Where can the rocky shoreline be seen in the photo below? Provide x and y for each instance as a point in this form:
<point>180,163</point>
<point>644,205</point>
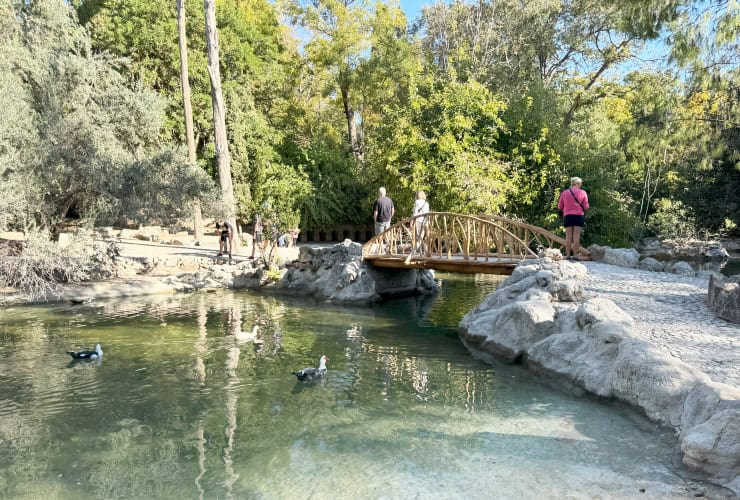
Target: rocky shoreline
<point>333,274</point>
<point>544,318</point>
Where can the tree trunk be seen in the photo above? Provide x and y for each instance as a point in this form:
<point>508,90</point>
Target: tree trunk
<point>188,108</point>
<point>219,116</point>
<point>349,113</point>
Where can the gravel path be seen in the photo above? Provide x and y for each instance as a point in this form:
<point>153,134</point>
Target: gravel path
<point>670,312</point>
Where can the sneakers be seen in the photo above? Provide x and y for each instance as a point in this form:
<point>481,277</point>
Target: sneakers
<point>219,254</point>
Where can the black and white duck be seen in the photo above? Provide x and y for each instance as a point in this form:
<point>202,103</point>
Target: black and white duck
<point>83,355</point>
<point>312,373</point>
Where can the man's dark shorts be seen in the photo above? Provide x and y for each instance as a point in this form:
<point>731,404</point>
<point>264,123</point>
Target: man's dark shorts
<point>574,220</point>
<point>258,237</point>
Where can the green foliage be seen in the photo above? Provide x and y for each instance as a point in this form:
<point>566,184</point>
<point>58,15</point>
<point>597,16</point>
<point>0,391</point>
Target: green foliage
<point>254,63</point>
<point>488,106</point>
<point>86,143</point>
<point>447,144</point>
<point>672,220</point>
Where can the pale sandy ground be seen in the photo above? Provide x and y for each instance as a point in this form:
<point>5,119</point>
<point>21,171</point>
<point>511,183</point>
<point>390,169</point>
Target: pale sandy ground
<point>208,248</point>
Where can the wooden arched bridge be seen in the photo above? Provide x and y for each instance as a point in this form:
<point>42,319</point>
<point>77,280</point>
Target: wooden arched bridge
<point>460,243</point>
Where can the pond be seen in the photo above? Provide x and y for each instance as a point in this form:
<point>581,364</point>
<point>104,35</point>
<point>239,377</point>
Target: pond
<point>179,407</point>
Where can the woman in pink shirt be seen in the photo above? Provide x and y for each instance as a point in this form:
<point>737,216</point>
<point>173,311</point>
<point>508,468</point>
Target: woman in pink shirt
<point>573,203</point>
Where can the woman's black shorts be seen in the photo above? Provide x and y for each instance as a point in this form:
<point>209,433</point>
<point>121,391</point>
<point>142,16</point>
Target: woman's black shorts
<point>574,220</point>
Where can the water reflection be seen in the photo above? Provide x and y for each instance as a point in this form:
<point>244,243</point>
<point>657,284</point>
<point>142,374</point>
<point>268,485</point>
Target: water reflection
<point>182,408</point>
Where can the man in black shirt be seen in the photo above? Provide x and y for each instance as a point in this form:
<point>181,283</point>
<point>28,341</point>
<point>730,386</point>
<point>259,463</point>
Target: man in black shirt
<point>383,211</point>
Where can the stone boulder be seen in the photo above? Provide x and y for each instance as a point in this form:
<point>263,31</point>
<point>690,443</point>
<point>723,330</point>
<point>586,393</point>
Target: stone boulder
<point>128,234</point>
<point>338,274</point>
<point>107,232</point>
<point>623,257</point>
<point>596,252</point>
<point>714,445</point>
<point>650,264</point>
<point>550,253</point>
<point>510,330</point>
<point>648,246</point>
<point>682,268</point>
<point>682,249</point>
<point>723,297</point>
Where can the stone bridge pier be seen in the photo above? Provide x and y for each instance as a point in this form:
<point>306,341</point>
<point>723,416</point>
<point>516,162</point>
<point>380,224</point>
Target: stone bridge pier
<point>399,282</point>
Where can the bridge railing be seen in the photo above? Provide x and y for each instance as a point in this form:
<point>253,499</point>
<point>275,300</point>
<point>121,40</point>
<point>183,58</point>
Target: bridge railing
<point>445,235</point>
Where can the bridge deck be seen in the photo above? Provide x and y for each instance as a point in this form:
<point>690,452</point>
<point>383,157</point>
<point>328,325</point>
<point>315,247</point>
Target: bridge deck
<point>455,264</point>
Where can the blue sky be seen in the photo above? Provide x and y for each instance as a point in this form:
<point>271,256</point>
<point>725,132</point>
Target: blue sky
<point>412,8</point>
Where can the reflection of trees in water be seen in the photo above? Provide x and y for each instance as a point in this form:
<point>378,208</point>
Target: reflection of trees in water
<point>199,342</point>
<point>427,378</point>
<point>200,369</point>
<point>232,396</point>
<point>459,294</point>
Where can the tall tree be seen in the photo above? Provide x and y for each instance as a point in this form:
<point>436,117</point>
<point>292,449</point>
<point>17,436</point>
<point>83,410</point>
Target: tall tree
<point>223,157</point>
<point>182,39</point>
<point>341,42</point>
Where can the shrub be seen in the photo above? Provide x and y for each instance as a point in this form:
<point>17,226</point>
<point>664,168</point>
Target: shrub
<point>672,220</point>
<point>39,267</point>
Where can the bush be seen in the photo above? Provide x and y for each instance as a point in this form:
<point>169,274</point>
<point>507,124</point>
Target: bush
<point>39,267</point>
<point>672,220</point>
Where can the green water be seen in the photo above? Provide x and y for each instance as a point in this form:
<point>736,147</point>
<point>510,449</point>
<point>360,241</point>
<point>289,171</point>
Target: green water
<point>179,408</point>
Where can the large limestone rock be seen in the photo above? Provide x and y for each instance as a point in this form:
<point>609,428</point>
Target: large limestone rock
<point>514,327</point>
<point>337,273</point>
<point>596,252</point>
<point>623,257</point>
<point>682,249</point>
<point>682,268</point>
<point>650,264</point>
<point>591,345</point>
<point>723,297</point>
<point>714,445</point>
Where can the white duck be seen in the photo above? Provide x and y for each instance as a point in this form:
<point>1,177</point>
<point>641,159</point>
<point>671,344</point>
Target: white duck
<point>243,337</point>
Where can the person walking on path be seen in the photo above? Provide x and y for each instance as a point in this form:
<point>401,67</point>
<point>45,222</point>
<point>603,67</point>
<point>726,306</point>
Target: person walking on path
<point>573,203</point>
<point>421,206</point>
<point>383,211</point>
<point>226,240</point>
<point>257,238</point>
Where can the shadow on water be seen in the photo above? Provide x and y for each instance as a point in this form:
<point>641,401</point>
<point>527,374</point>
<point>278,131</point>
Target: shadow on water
<point>183,406</point>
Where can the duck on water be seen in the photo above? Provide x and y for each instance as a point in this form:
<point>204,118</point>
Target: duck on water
<point>312,373</point>
<point>87,355</point>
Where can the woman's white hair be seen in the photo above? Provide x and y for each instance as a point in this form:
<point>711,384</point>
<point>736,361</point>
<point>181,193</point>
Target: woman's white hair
<point>576,181</point>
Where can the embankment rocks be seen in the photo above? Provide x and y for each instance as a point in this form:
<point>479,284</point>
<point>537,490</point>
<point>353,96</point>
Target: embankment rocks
<point>538,316</point>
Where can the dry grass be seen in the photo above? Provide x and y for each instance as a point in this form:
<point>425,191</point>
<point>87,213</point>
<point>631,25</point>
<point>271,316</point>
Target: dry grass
<point>39,268</point>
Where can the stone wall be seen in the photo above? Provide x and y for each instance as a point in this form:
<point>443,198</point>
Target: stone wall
<point>538,317</point>
<point>682,249</point>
